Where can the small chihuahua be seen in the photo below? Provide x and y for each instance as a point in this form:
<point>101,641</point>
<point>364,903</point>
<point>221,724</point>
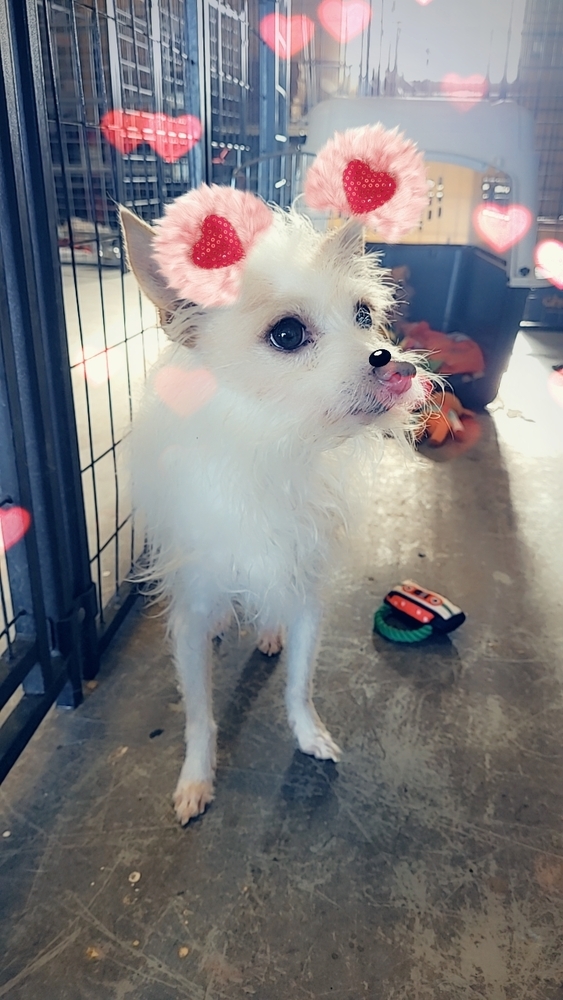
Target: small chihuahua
<point>243,446</point>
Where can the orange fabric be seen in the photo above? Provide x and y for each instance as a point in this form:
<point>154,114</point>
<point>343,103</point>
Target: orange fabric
<point>448,355</point>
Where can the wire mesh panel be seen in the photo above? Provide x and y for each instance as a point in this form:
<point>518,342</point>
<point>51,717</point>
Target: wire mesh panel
<point>121,132</point>
<point>279,178</point>
<point>226,33</point>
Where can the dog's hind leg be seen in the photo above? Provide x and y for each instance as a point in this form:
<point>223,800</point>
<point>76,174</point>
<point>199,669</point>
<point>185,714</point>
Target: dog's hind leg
<point>301,648</point>
<point>191,635</point>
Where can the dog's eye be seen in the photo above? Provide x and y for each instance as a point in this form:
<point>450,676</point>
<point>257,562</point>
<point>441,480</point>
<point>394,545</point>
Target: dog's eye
<point>363,316</point>
<point>288,334</point>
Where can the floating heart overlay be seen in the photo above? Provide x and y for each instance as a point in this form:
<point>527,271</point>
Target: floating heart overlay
<point>548,256</point>
<point>299,30</point>
<point>14,522</point>
<point>555,385</point>
<point>501,226</point>
<point>185,392</point>
<point>366,189</point>
<point>171,138</point>
<point>464,92</point>
<point>97,366</point>
<point>344,19</point>
<point>218,245</point>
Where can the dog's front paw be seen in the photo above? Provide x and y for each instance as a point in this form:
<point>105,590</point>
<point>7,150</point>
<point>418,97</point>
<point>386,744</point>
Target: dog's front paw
<point>320,744</point>
<point>270,643</point>
<point>191,798</point>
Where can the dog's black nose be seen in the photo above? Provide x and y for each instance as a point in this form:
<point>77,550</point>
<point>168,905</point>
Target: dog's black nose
<point>378,359</point>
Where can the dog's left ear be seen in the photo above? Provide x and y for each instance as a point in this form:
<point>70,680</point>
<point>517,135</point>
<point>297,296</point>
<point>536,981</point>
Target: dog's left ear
<point>373,174</point>
<point>138,238</point>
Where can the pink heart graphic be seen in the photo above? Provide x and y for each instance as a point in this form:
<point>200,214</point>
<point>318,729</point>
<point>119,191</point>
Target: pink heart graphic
<point>185,392</point>
<point>218,245</point>
<point>298,29</point>
<point>555,385</point>
<point>171,138</point>
<point>423,3</point>
<point>501,226</point>
<point>14,522</point>
<point>548,256</point>
<point>344,19</point>
<point>367,189</point>
<point>464,92</point>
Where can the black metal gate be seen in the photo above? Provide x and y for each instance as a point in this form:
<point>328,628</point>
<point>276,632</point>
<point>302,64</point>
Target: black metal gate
<point>47,599</point>
<point>76,337</point>
<point>88,89</point>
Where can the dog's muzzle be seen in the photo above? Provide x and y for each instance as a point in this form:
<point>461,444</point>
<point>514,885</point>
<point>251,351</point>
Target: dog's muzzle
<point>396,376</point>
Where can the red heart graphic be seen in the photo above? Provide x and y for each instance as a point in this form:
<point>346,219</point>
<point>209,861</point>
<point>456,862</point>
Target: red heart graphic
<point>501,226</point>
<point>14,523</point>
<point>171,138</point>
<point>298,29</point>
<point>464,92</point>
<point>344,19</point>
<point>218,245</point>
<point>185,392</point>
<point>548,256</point>
<point>367,189</point>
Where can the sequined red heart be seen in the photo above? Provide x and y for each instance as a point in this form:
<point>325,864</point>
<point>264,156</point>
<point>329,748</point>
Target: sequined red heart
<point>367,189</point>
<point>218,245</point>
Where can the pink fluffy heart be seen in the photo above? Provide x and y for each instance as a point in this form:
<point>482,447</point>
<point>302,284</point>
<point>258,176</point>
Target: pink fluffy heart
<point>501,226</point>
<point>344,19</point>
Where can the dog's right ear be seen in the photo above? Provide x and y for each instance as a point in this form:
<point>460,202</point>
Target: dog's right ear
<point>138,238</point>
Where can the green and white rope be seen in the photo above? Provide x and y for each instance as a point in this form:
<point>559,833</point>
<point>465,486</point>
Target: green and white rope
<point>380,624</point>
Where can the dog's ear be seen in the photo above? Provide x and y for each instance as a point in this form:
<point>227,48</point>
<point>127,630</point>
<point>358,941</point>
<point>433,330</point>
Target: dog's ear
<point>138,238</point>
<point>345,242</point>
<point>202,243</point>
<point>373,174</point>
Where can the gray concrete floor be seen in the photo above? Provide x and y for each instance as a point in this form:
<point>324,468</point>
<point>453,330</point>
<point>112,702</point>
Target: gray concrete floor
<point>428,864</point>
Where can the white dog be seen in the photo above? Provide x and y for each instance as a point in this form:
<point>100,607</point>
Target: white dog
<point>241,450</point>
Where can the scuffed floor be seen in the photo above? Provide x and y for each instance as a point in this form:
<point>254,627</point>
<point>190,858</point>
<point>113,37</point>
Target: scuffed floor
<point>428,864</point>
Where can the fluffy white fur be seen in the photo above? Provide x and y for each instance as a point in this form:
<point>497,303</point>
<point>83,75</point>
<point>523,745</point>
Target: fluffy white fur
<point>245,497</point>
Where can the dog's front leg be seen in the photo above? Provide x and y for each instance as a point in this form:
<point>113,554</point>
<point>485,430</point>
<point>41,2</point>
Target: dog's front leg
<point>194,790</point>
<point>301,649</point>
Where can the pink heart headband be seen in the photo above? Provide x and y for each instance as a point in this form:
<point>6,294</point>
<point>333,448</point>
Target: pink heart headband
<point>202,243</point>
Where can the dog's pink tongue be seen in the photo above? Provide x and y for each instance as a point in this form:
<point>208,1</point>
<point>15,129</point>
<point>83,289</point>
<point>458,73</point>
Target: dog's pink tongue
<point>397,384</point>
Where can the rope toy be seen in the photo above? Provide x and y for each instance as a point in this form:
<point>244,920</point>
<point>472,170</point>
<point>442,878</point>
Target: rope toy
<point>423,612</point>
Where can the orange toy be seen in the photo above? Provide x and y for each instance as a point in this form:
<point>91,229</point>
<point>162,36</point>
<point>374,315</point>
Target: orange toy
<point>445,419</point>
